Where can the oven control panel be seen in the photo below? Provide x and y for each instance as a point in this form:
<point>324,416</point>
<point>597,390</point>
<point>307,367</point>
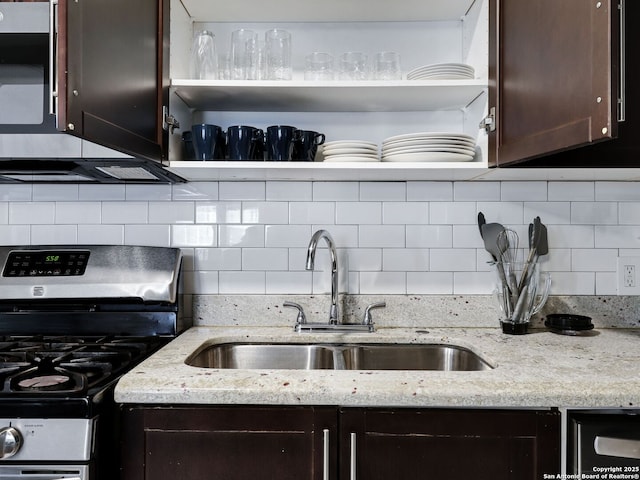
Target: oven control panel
<point>46,263</point>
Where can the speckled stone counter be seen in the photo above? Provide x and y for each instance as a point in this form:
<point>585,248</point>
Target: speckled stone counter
<point>540,369</point>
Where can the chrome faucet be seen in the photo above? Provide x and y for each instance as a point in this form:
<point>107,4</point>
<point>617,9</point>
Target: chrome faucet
<point>311,255</point>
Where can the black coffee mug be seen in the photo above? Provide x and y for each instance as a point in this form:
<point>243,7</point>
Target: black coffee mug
<point>280,140</point>
<point>245,143</point>
<point>306,145</point>
<point>188,153</point>
<point>208,142</point>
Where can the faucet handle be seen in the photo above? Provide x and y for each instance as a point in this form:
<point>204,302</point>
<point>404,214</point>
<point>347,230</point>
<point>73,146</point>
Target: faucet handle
<point>301,319</point>
<point>366,319</point>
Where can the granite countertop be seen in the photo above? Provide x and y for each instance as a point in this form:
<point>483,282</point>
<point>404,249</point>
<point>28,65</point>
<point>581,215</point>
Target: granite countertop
<point>540,369</point>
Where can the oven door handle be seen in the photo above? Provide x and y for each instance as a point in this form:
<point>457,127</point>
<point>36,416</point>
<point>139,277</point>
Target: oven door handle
<point>617,447</point>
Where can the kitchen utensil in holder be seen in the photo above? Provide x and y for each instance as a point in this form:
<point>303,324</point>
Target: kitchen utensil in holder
<point>518,306</point>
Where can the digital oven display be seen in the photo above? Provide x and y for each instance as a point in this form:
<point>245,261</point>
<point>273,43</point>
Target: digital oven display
<point>49,263</point>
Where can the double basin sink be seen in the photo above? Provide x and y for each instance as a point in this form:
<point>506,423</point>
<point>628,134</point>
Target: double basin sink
<point>356,356</point>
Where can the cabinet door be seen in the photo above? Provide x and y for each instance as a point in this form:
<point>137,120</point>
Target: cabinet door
<point>452,444</point>
<point>112,80</point>
<point>556,77</point>
<point>231,443</point>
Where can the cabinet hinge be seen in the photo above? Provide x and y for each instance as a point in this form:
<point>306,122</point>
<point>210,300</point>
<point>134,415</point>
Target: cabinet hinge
<point>169,122</point>
<point>488,123</point>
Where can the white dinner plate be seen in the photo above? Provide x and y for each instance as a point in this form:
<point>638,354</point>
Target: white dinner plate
<point>399,151</point>
<point>350,144</point>
<point>352,158</point>
<point>430,135</point>
<point>429,157</point>
<point>429,142</point>
<point>349,151</point>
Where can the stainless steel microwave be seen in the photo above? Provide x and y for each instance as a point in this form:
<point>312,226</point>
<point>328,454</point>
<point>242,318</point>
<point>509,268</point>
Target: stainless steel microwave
<point>39,42</point>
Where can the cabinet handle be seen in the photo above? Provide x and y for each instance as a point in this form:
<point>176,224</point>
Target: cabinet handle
<point>53,77</point>
<point>623,63</point>
<point>325,454</point>
<point>352,457</point>
<point>617,447</point>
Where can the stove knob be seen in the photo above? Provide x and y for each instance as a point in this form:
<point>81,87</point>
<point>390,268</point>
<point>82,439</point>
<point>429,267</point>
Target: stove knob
<point>10,442</point>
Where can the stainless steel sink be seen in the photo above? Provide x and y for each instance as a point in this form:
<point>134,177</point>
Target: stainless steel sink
<point>337,356</point>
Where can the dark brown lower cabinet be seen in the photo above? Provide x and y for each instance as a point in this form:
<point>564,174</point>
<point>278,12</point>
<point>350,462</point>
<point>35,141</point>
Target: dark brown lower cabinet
<point>318,443</point>
<point>404,444</point>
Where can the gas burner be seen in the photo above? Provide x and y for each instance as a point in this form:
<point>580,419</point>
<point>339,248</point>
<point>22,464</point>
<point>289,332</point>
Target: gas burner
<point>45,382</point>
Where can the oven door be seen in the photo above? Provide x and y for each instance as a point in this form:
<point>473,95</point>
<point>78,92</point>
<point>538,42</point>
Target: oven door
<point>604,443</point>
<point>44,472</point>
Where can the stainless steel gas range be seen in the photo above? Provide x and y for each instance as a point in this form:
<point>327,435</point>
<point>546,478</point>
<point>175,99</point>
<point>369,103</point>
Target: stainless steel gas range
<point>73,319</point>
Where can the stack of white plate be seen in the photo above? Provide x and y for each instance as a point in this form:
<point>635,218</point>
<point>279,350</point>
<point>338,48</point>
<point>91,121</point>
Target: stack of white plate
<point>444,71</point>
<point>350,151</point>
<point>429,147</point>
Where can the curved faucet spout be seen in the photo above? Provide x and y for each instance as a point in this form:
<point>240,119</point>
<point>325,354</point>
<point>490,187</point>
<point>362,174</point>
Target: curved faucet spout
<point>311,256</point>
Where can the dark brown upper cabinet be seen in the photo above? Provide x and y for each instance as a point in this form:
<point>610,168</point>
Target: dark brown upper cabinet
<point>113,73</point>
<point>559,83</point>
<point>554,76</point>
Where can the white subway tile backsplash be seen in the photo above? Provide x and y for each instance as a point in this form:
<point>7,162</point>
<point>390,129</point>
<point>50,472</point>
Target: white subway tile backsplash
<point>148,192</point>
<point>594,213</point>
<point>16,234</point>
<point>617,236</point>
<point>54,234</point>
<point>405,259</point>
<point>476,191</point>
<point>16,193</point>
<point>289,191</point>
<point>429,191</point>
<point>430,283</point>
<point>523,191</point>
<point>194,235</point>
<point>242,191</point>
<point>218,259</point>
<point>287,235</point>
<point>312,212</point>
<point>381,236</point>
<point>154,235</point>
<point>383,191</point>
<point>171,212</point>
<point>336,191</point>
<point>125,212</point>
<point>101,234</point>
<point>288,283</point>
<point>571,191</point>
<point>629,213</point>
<point>358,213</point>
<point>452,260</point>
<point>405,213</point>
<point>267,259</point>
<point>43,192</point>
<point>218,212</point>
<point>383,283</point>
<point>392,237</point>
<point>242,282</point>
<point>25,213</point>
<point>241,236</point>
<point>104,192</point>
<point>195,191</point>
<point>429,236</point>
<point>617,192</point>
<point>265,212</point>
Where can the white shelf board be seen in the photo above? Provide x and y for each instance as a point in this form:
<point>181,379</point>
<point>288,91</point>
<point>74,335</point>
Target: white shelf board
<point>336,96</point>
<point>327,11</point>
<point>330,171</point>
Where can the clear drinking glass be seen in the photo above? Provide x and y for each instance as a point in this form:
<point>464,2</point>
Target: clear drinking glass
<point>318,66</point>
<point>278,54</point>
<point>353,66</point>
<point>244,54</point>
<point>204,60</point>
<point>386,66</point>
